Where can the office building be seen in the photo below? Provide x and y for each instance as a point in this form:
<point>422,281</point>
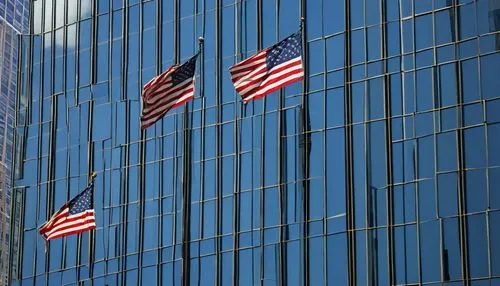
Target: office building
<point>13,21</point>
<point>381,168</point>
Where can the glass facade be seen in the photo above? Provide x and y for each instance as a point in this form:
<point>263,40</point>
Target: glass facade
<point>13,21</point>
<point>381,168</point>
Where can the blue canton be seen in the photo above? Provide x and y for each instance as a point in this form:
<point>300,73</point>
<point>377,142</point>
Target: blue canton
<point>82,202</point>
<point>185,71</point>
<point>284,51</point>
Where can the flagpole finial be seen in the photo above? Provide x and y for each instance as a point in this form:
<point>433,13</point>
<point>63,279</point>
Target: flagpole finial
<point>92,176</point>
<point>201,39</point>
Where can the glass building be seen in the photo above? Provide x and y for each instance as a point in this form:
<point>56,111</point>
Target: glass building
<point>13,21</point>
<point>381,168</point>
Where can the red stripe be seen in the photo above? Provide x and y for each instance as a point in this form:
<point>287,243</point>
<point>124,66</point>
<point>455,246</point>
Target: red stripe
<point>240,88</point>
<point>144,126</point>
<point>166,85</point>
<point>258,74</point>
<point>282,77</point>
<point>275,88</point>
<point>157,84</point>
<point>73,232</point>
<point>159,111</point>
<point>87,220</point>
<point>69,224</point>
<point>255,57</point>
<point>273,71</point>
<point>166,99</point>
<point>245,71</point>
<point>158,96</point>
<point>55,217</point>
<point>66,219</point>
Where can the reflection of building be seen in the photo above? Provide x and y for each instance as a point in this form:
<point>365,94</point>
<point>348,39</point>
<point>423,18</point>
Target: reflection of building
<point>13,17</point>
<point>385,173</point>
<point>494,16</point>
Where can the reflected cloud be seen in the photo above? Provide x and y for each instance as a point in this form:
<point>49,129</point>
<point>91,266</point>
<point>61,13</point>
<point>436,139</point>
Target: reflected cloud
<point>86,7</point>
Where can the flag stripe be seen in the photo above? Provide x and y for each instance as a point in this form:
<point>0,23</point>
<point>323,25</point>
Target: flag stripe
<point>180,102</point>
<point>61,213</point>
<point>160,81</point>
<point>162,109</point>
<point>65,217</point>
<point>269,89</point>
<point>255,74</point>
<point>248,62</point>
<point>272,74</point>
<point>277,74</point>
<point>157,78</point>
<point>165,103</point>
<point>71,220</point>
<point>236,76</point>
<point>167,94</point>
<point>149,96</point>
<point>74,230</point>
<point>78,223</point>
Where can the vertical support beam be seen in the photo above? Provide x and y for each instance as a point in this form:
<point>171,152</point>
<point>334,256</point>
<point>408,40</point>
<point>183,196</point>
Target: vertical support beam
<point>388,147</point>
<point>218,131</point>
<point>237,136</point>
<point>123,229</point>
<point>281,174</point>
<point>462,211</point>
<point>142,160</point>
<point>262,142</point>
<point>186,196</point>
<point>158,55</point>
<point>349,164</point>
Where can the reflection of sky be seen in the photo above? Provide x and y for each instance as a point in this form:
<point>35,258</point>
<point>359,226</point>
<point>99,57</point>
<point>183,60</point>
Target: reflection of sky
<point>86,6</point>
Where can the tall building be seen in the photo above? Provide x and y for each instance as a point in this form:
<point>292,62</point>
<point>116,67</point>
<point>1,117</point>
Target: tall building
<point>382,168</point>
<point>13,21</point>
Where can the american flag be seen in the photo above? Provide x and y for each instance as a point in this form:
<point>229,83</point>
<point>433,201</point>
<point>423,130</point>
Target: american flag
<point>166,91</point>
<point>269,69</point>
<point>74,217</point>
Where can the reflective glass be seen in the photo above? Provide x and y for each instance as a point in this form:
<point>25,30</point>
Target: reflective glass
<point>380,167</point>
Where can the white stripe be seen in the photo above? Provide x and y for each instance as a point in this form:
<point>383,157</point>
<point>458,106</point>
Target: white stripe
<point>273,76</point>
<point>148,92</point>
<point>251,63</point>
<point>262,91</point>
<point>63,216</point>
<point>81,227</point>
<point>268,87</point>
<point>165,108</point>
<point>257,73</point>
<point>55,218</point>
<point>249,88</point>
<point>165,89</point>
<point>165,97</point>
<point>70,223</point>
<point>63,223</point>
<point>241,64</point>
<point>278,74</point>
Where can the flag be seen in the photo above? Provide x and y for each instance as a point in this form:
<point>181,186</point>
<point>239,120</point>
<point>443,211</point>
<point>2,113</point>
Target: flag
<point>166,91</point>
<point>269,69</point>
<point>74,217</point>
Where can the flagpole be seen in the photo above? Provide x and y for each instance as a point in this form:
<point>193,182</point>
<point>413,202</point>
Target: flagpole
<point>304,146</point>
